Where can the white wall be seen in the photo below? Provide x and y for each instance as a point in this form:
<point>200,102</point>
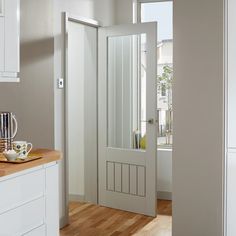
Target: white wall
<point>164,173</point>
<point>82,109</point>
<point>198,151</point>
<point>103,11</point>
<point>231,75</point>
<point>75,107</point>
<point>231,124</point>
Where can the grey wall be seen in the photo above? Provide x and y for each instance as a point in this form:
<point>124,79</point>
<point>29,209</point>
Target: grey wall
<point>32,99</point>
<point>124,11</point>
<point>198,153</point>
<point>35,99</point>
<point>198,156</point>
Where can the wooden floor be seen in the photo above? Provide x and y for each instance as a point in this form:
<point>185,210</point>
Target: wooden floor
<point>92,220</point>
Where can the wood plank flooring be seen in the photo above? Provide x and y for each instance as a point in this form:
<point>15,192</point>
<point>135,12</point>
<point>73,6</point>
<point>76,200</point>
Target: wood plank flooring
<point>91,220</point>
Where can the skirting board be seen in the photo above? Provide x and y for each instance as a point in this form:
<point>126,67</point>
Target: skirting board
<point>164,195</point>
<point>76,198</point>
<point>63,222</point>
<point>160,195</point>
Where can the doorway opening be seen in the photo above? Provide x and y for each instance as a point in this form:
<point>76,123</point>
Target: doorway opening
<point>161,11</point>
<point>102,116</point>
<point>81,109</point>
<point>88,100</point>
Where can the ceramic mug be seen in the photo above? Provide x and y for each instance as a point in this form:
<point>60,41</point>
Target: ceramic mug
<point>23,148</point>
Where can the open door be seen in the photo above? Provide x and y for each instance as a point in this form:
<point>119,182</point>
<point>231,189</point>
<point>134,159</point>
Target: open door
<point>127,115</point>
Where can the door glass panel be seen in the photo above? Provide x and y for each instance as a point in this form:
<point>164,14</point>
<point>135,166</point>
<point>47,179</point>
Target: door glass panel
<point>126,106</point>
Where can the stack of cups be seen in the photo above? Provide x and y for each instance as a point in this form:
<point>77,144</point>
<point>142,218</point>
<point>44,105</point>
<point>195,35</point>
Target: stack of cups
<point>8,130</point>
<point>5,144</point>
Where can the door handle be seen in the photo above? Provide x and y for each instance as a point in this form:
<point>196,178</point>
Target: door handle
<point>149,121</point>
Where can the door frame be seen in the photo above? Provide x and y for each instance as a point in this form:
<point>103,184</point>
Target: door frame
<point>88,174</point>
<point>137,11</point>
<point>67,17</point>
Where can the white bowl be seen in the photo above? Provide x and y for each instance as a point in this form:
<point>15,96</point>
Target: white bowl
<point>11,156</point>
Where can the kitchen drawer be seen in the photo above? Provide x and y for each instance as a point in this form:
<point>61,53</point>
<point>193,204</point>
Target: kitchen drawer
<point>40,231</point>
<point>21,220</point>
<point>21,189</point>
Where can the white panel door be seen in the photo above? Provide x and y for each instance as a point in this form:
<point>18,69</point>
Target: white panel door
<point>127,143</point>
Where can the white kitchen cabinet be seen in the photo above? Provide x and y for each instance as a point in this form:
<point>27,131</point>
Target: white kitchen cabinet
<point>29,202</point>
<point>231,194</point>
<point>52,200</point>
<point>25,190</point>
<point>22,219</point>
<point>9,40</point>
<point>37,232</point>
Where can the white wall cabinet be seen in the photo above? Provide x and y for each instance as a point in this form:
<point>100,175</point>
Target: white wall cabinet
<point>9,40</point>
<point>29,202</point>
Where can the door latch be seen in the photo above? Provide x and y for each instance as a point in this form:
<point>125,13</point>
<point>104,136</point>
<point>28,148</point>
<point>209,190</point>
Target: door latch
<point>149,121</point>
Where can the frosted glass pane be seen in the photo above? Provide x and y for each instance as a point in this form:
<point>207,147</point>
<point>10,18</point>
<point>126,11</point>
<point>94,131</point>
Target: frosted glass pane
<point>126,91</point>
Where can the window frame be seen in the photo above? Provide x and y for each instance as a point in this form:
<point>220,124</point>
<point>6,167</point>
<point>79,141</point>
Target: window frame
<point>137,19</point>
<point>139,3</point>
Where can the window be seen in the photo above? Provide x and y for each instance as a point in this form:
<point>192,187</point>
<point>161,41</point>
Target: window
<point>162,12</point>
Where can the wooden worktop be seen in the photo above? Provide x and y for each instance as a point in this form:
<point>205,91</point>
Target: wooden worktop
<point>47,157</point>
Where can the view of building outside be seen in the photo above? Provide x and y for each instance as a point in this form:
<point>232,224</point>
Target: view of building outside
<point>162,12</point>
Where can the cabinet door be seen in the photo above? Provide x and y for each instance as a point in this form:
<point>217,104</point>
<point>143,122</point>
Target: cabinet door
<point>231,194</point>
<point>41,231</point>
<point>12,36</point>
<point>27,187</point>
<point>52,201</point>
<point>1,43</point>
<point>23,219</point>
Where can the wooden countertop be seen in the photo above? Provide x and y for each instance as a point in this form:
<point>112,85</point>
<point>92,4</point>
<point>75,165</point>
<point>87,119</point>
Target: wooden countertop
<point>47,157</point>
